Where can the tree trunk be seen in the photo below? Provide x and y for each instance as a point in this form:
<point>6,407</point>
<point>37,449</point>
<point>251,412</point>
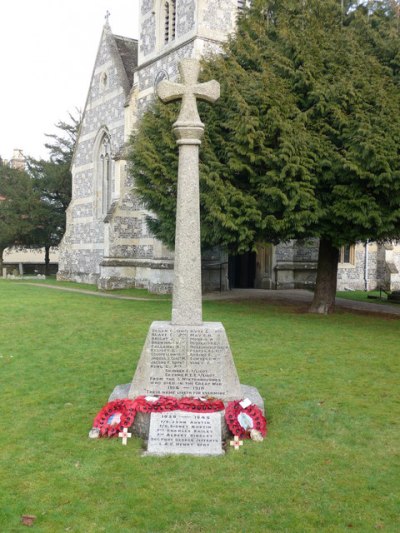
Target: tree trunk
<point>1,261</point>
<point>325,289</point>
<point>46,260</point>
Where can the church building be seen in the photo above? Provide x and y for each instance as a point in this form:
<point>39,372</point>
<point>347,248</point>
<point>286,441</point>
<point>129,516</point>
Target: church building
<point>107,241</point>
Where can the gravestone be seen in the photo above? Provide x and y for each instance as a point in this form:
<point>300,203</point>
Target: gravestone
<point>187,357</point>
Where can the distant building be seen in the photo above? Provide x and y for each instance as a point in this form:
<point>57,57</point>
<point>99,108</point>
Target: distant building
<point>17,161</point>
<point>29,261</point>
<point>25,260</point>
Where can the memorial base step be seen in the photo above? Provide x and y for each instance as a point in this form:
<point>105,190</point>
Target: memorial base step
<point>141,424</point>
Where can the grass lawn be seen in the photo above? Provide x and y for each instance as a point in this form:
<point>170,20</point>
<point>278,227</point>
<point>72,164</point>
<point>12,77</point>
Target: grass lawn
<point>375,297</point>
<point>136,293</point>
<point>330,461</point>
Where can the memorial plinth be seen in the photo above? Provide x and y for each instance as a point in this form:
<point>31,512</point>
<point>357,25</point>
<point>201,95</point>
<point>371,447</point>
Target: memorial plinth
<point>184,361</point>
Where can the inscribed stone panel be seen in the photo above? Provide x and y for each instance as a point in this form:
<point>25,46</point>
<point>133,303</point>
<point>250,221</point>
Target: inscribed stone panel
<point>186,361</point>
<point>180,432</point>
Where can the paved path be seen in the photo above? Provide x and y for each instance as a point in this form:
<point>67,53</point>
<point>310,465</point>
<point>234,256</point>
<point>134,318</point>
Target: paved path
<point>298,296</point>
<point>295,296</point>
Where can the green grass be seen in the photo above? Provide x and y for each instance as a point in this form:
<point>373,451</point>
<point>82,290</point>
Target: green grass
<point>363,296</point>
<point>330,462</point>
<point>136,293</point>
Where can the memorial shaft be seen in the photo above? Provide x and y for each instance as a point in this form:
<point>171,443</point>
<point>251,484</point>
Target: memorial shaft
<point>186,299</point>
<point>187,357</point>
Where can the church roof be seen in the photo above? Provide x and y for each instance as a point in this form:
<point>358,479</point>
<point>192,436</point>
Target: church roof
<point>128,51</point>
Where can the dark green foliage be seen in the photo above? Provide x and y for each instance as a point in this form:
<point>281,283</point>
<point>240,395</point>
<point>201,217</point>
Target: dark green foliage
<point>52,180</point>
<point>19,208</point>
<point>32,212</point>
<point>256,175</point>
<point>304,140</point>
<point>351,100</point>
<point>155,176</point>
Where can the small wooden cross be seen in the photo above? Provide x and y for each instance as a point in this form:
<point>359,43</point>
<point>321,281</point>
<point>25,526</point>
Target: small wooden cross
<point>124,435</point>
<point>236,443</point>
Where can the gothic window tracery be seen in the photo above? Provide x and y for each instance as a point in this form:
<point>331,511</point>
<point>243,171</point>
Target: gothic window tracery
<point>104,173</point>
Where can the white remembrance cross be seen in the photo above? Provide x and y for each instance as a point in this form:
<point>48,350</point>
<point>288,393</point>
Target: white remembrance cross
<point>124,435</point>
<point>186,300</point>
<point>236,443</point>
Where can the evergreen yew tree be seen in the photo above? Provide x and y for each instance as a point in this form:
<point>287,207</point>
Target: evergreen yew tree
<point>52,180</point>
<point>304,141</point>
<point>20,209</point>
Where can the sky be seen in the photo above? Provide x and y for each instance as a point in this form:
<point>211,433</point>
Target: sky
<point>47,52</point>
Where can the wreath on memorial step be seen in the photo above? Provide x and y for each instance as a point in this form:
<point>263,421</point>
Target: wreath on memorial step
<point>115,416</point>
<point>158,404</point>
<point>167,403</point>
<point>242,420</point>
<point>120,414</point>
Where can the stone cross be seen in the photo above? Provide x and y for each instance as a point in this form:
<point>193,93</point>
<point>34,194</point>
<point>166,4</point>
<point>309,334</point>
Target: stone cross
<point>124,435</point>
<point>236,443</point>
<point>186,299</point>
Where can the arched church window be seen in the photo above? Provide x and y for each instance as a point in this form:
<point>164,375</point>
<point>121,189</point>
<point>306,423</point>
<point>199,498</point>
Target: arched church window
<point>160,76</point>
<point>104,174</point>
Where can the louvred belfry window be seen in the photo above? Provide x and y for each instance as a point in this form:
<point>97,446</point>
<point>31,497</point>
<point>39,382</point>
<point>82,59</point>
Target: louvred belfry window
<point>169,21</point>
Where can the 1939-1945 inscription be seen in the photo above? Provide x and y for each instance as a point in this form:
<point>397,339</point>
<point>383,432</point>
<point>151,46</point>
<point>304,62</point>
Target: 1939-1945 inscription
<point>179,432</point>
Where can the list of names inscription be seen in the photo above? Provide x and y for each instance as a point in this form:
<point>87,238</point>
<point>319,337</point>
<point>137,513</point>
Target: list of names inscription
<point>181,361</point>
<point>186,361</point>
<point>180,432</point>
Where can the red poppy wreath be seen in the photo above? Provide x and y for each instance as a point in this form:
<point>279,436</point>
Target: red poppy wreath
<point>120,414</point>
<point>242,420</point>
<point>114,417</point>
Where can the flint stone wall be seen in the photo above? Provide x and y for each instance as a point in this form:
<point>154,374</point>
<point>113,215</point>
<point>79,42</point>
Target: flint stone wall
<point>82,247</point>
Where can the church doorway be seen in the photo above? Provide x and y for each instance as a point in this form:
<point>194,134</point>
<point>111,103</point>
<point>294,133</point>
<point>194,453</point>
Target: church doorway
<point>242,271</point>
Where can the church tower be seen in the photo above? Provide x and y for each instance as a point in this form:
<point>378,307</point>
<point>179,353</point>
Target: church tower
<point>107,241</point>
<point>170,30</point>
<point>173,29</point>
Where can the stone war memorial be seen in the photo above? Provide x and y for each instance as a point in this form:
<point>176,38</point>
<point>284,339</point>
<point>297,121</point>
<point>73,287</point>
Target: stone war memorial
<point>185,397</point>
